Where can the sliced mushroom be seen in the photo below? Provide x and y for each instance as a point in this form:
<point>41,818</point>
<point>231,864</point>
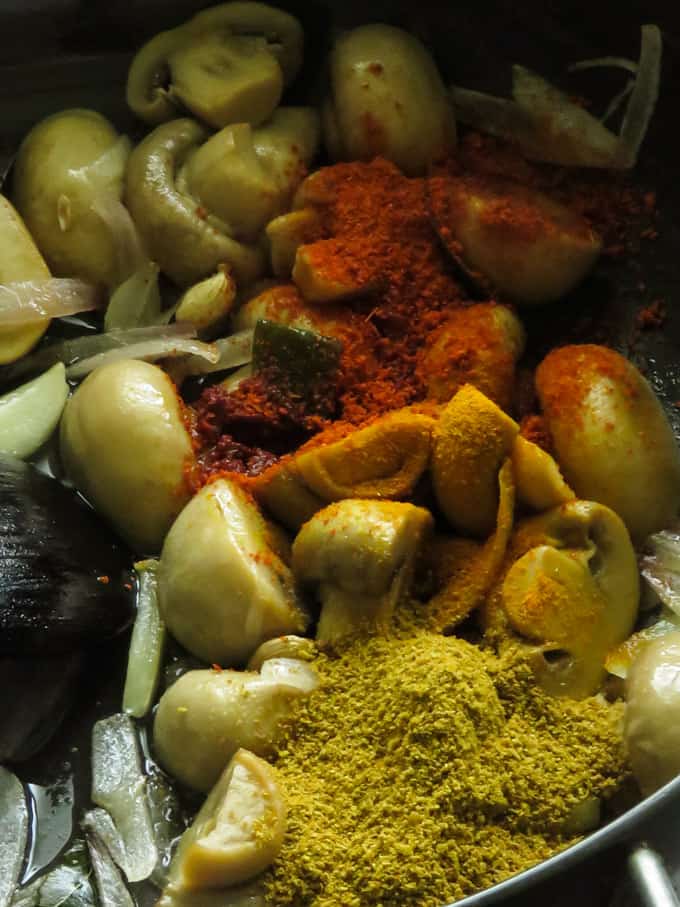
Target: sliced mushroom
<point>205,716</point>
<point>238,831</point>
<point>387,100</point>
<point>612,439</point>
<point>572,587</point>
<point>360,557</point>
<point>471,441</point>
<point>540,485</point>
<point>223,588</point>
<point>229,64</point>
<point>184,239</point>
<point>125,446</point>
<point>69,174</point>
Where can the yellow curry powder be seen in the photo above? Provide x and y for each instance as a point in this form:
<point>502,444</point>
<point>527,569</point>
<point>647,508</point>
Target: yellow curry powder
<point>425,769</point>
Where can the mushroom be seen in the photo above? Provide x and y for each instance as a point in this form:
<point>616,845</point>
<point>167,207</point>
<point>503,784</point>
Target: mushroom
<point>68,183</point>
<point>540,484</point>
<point>237,833</point>
<point>19,260</point>
<point>200,201</point>
<point>531,247</point>
<point>612,439</point>
<point>387,100</point>
<point>206,715</point>
<point>572,587</point>
<point>471,441</point>
<point>229,64</point>
<point>223,588</point>
<point>652,722</point>
<point>360,556</point>
<point>384,460</point>
<point>187,245</point>
<point>479,345</point>
<point>125,446</point>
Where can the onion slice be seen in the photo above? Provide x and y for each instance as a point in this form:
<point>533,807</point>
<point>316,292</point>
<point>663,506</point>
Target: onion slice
<point>146,645</point>
<point>233,351</point>
<point>110,886</point>
<point>136,302</point>
<point>660,567</point>
<point>13,833</point>
<point>119,787</point>
<point>548,126</point>
<point>30,301</point>
<point>29,414</point>
<point>163,347</point>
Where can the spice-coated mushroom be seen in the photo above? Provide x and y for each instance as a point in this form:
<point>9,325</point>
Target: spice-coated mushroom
<point>611,437</point>
<point>360,556</point>
<point>387,100</point>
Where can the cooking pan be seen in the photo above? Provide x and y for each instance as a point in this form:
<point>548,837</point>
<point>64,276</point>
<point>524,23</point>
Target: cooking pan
<point>60,53</point>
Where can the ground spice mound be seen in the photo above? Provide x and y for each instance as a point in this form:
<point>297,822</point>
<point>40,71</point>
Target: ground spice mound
<point>425,769</point>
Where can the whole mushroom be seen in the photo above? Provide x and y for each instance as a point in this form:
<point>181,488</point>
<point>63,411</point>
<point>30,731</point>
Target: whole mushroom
<point>125,446</point>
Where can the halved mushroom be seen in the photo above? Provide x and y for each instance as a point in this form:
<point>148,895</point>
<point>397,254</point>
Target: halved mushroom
<point>572,587</point>
<point>206,715</point>
<point>611,436</point>
<point>360,557</point>
<point>229,64</point>
<point>387,100</point>
<point>68,183</point>
<point>471,441</point>
<point>540,485</point>
<point>223,588</point>
<point>479,345</point>
<point>384,460</point>
<point>237,832</point>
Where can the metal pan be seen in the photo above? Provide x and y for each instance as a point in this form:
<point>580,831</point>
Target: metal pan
<point>60,53</point>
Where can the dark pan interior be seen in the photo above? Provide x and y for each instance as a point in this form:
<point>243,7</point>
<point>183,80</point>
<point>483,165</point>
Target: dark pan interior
<point>60,53</point>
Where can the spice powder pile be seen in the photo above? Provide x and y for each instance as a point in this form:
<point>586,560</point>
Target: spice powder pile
<point>425,769</point>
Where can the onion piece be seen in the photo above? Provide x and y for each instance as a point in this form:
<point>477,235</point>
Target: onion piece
<point>146,645</point>
<point>238,377</point>
<point>13,833</point>
<point>77,349</point>
<point>233,351</point>
<point>136,302</point>
<point>66,885</point>
<point>110,886</point>
<point>548,126</point>
<point>119,786</point>
<point>614,62</point>
<point>643,98</point>
<point>30,301</point>
<point>661,567</point>
<point>620,659</point>
<point>167,819</point>
<point>29,414</point>
<point>163,347</point>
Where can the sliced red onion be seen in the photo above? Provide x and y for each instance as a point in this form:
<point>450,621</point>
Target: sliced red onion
<point>119,787</point>
<point>146,646</point>
<point>165,346</point>
<point>28,301</point>
<point>13,833</point>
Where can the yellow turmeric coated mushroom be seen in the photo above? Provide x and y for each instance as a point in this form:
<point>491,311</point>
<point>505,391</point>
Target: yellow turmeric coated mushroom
<point>471,441</point>
<point>572,587</point>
